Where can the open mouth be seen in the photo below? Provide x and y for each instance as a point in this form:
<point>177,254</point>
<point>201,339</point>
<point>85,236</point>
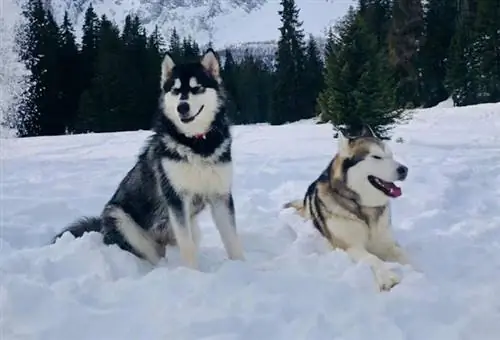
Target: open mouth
<point>191,118</point>
<point>388,188</point>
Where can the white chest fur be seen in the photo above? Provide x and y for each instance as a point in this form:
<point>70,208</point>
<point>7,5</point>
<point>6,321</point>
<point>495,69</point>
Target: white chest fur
<point>199,177</point>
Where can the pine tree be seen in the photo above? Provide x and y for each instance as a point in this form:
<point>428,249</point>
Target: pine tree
<point>155,51</point>
<point>175,46</point>
<point>462,79</point>
<point>248,83</point>
<point>487,50</point>
<point>358,87</point>
<point>54,117</point>
<point>313,73</point>
<point>229,76</point>
<point>89,46</point>
<point>404,40</point>
<point>256,78</point>
<point>440,21</point>
<point>289,104</point>
<point>265,85</point>
<point>101,108</point>
<point>28,116</point>
<point>69,72</point>
<point>156,41</point>
<point>136,95</point>
<point>190,49</point>
<point>377,16</point>
<point>41,113</point>
<point>13,73</point>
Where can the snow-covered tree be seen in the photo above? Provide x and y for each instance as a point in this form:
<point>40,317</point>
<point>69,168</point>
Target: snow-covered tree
<point>13,73</point>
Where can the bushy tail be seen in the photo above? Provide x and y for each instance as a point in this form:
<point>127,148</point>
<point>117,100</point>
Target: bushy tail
<point>297,205</point>
<point>81,226</point>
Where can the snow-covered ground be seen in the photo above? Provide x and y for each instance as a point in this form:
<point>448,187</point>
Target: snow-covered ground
<point>291,286</point>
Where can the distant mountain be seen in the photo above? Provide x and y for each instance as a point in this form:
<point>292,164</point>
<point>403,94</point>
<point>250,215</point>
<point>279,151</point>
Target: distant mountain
<point>224,22</point>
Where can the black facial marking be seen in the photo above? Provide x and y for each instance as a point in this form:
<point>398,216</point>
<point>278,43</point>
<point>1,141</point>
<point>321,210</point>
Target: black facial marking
<point>350,162</point>
<point>197,90</point>
<point>184,73</point>
<point>219,129</point>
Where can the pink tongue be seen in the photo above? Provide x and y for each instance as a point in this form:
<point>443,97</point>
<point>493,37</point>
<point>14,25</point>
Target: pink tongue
<point>395,191</point>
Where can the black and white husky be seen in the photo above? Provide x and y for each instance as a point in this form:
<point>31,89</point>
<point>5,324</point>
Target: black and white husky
<point>185,166</point>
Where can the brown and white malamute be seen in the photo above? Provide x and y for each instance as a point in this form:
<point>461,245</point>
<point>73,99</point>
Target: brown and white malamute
<point>349,203</point>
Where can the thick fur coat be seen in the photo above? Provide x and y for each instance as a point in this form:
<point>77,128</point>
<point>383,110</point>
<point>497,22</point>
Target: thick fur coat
<point>349,203</point>
<point>185,166</point>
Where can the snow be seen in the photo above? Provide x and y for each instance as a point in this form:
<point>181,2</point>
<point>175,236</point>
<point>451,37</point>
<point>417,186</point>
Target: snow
<point>6,132</point>
<point>13,73</point>
<point>291,286</point>
<point>448,103</point>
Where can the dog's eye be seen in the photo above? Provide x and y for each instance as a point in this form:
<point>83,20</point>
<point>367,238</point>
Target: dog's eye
<point>377,157</point>
<point>197,89</point>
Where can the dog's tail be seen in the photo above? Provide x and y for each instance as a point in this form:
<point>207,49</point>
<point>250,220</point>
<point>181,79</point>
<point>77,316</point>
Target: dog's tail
<point>81,226</point>
<point>297,205</point>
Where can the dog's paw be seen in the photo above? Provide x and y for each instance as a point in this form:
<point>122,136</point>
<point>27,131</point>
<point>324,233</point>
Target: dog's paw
<point>191,263</point>
<point>189,255</point>
<point>237,257</point>
<point>386,279</point>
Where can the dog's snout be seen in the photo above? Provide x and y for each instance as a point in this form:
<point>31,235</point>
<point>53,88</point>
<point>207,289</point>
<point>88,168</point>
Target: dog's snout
<point>183,108</point>
<point>402,172</point>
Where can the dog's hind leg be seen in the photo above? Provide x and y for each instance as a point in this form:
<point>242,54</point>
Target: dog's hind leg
<point>222,209</point>
<point>121,229</point>
<point>298,205</point>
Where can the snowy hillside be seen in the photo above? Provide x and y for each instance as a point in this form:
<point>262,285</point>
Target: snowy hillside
<point>224,22</point>
<point>291,286</point>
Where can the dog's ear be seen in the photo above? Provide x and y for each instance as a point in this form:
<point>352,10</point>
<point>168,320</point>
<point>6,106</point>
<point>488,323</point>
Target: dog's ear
<point>343,145</point>
<point>166,68</point>
<point>367,131</point>
<point>211,63</point>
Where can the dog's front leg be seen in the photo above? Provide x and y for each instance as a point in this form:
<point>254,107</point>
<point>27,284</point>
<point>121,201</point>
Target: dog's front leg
<point>222,209</point>
<point>396,253</point>
<point>181,224</point>
<point>353,237</point>
<point>389,249</point>
<point>386,279</point>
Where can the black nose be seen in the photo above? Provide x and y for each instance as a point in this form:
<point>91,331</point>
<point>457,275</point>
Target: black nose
<point>183,108</point>
<point>402,172</point>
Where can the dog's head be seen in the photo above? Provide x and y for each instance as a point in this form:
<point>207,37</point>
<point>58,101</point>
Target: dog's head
<point>369,168</point>
<point>191,93</point>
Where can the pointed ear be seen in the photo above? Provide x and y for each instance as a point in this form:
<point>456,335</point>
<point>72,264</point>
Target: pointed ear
<point>211,63</point>
<point>367,131</point>
<point>343,145</point>
<point>166,68</point>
